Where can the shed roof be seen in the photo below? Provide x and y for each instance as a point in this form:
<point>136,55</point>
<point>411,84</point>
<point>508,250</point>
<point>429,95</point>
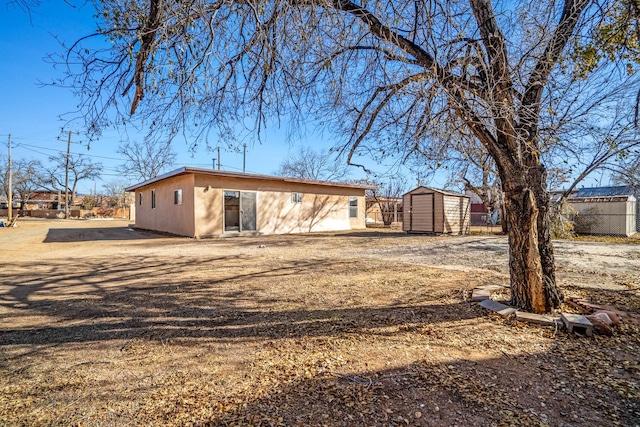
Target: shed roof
<point>620,190</point>
<point>186,170</point>
<point>602,199</point>
<point>438,190</point>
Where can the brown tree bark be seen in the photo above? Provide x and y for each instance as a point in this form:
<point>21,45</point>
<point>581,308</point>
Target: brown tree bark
<point>531,256</point>
<point>553,294</point>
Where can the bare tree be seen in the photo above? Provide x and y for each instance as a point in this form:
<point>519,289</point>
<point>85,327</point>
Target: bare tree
<point>577,146</point>
<point>308,163</point>
<point>147,159</point>
<point>81,168</point>
<point>388,197</point>
<point>114,191</point>
<point>628,173</point>
<point>471,167</point>
<point>390,77</point>
<point>27,178</point>
<point>4,174</point>
<point>592,134</point>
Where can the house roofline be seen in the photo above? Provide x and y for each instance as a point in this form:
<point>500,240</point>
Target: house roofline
<point>186,170</point>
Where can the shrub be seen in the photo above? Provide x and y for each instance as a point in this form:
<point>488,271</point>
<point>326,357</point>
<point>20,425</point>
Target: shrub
<point>562,224</point>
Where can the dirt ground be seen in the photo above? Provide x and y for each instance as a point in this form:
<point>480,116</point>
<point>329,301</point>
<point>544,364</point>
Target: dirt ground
<point>102,325</point>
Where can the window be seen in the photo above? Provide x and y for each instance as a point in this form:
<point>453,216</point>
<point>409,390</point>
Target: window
<point>140,199</point>
<point>353,207</point>
<point>177,197</point>
<point>153,199</point>
<point>296,197</point>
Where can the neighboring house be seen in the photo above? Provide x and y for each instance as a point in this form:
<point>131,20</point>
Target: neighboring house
<point>43,200</point>
<point>199,202</point>
<point>37,200</point>
<point>479,213</point>
<point>374,209</point>
<point>430,210</point>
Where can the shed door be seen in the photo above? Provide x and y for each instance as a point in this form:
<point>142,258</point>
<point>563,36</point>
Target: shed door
<point>422,218</point>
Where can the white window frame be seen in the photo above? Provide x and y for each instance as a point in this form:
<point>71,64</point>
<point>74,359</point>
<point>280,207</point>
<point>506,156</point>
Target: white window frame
<point>353,208</point>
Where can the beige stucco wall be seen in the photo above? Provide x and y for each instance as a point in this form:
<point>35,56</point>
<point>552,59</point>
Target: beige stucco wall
<point>323,208</point>
<point>167,217</point>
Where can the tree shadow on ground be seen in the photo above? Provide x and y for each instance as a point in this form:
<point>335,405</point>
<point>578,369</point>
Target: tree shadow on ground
<point>431,392</point>
<point>61,235</point>
<point>186,302</point>
<point>115,300</point>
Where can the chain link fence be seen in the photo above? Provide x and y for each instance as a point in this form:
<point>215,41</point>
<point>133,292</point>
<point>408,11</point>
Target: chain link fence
<point>604,224</point>
<point>573,222</point>
<point>586,221</point>
<point>615,216</point>
<point>484,219</point>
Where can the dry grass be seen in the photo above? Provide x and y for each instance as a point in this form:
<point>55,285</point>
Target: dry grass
<point>633,239</point>
<point>103,326</point>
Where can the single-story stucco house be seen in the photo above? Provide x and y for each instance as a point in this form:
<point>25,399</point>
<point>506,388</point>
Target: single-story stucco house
<point>198,202</point>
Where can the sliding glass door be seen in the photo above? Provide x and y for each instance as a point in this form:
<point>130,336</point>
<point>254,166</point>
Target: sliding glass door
<point>239,211</point>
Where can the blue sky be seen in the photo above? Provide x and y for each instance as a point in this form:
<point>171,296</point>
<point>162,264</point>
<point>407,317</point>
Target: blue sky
<point>30,112</point>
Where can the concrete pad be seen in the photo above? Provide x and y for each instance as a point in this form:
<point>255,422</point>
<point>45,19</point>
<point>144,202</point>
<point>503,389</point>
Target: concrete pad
<point>539,319</point>
<point>577,323</point>
<point>495,306</point>
<point>480,294</point>
<point>491,287</point>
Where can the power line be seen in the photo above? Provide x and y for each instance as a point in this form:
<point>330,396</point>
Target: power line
<point>79,154</point>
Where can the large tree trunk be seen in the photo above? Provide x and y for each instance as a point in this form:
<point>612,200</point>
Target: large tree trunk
<point>531,259</point>
<point>547,257</point>
<point>503,214</point>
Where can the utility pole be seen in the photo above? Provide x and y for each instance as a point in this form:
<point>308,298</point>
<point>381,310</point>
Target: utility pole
<point>66,179</point>
<point>10,192</point>
<point>218,158</point>
<point>244,159</point>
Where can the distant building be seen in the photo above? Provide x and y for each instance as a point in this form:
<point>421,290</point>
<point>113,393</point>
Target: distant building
<point>481,214</point>
<point>391,206</point>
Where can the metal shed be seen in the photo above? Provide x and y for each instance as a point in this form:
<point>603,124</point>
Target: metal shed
<point>430,210</point>
<point>613,215</point>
